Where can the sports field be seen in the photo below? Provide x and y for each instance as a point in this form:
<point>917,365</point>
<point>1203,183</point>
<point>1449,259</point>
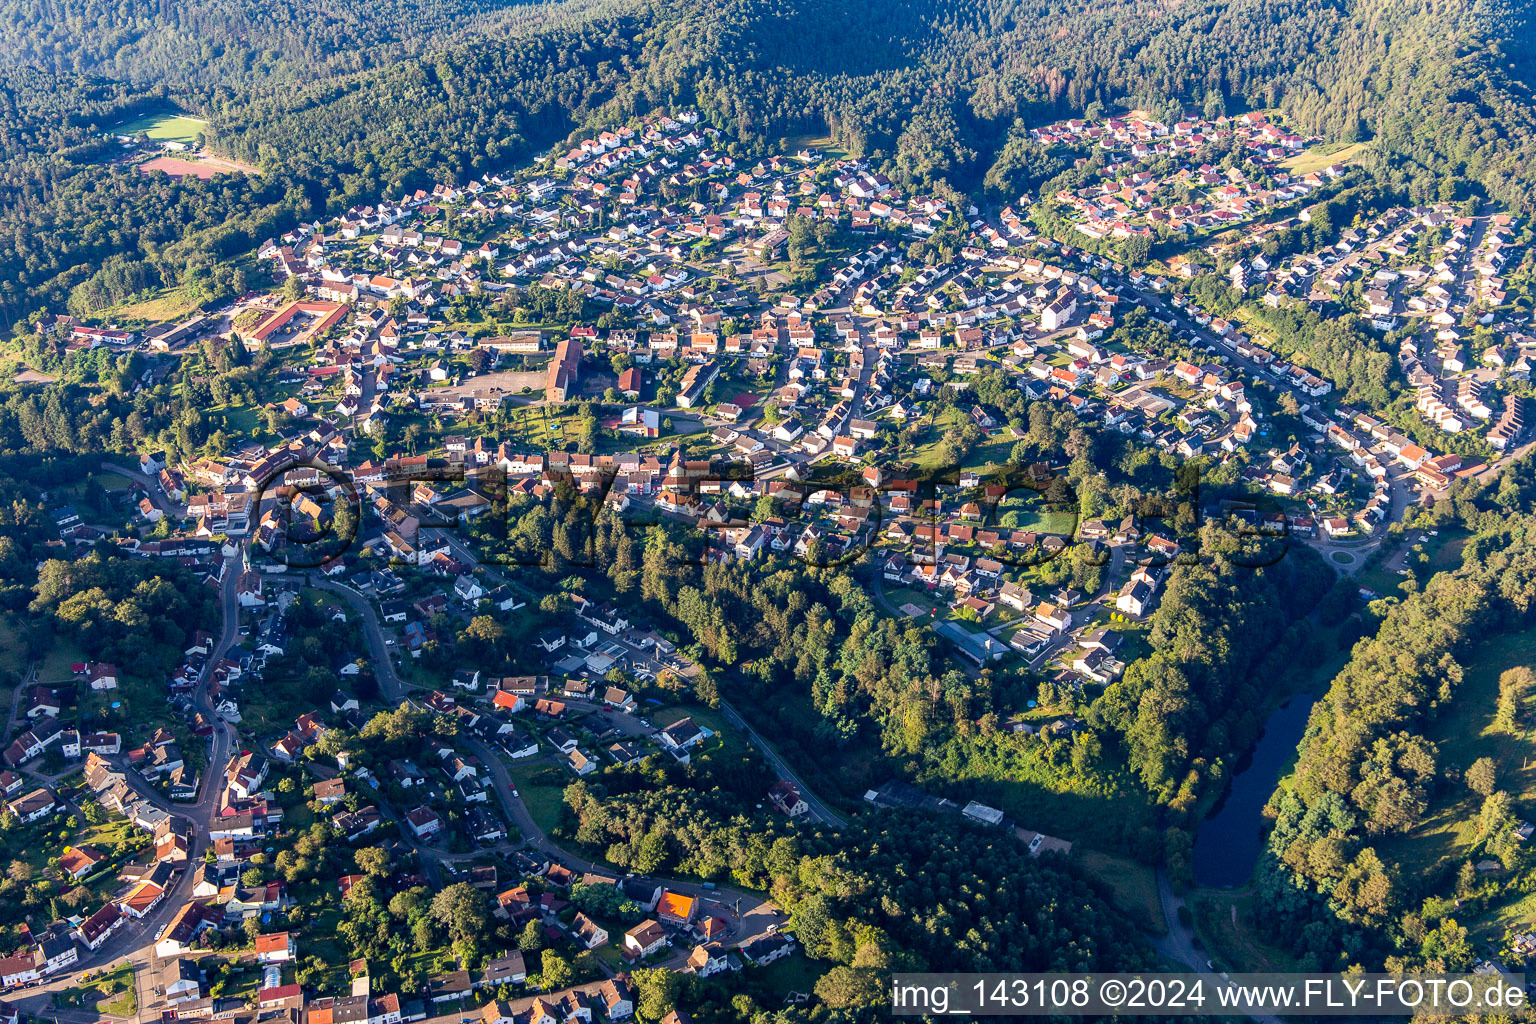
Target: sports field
<point>164,127</point>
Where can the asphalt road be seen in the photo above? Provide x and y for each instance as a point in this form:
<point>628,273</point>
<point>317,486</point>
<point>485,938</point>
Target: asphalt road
<point>819,811</point>
<point>159,500</point>
<point>1180,944</point>
<point>749,915</point>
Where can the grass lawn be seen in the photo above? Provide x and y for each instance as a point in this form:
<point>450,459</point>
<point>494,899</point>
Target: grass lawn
<point>298,817</point>
<point>917,597</point>
<point>794,973</point>
<point>55,667</point>
<point>704,717</point>
<point>610,953</point>
<point>431,961</point>
<point>125,1005</point>
<point>993,453</point>
<point>1381,581</point>
<point>244,420</point>
<point>1437,554</point>
<point>266,712</point>
<point>544,801</point>
<point>12,656</point>
<point>1445,550</point>
<point>113,992</point>
<point>1135,645</point>
<point>725,737</point>
<point>164,127</point>
<point>1440,553</point>
<point>108,833</point>
<point>1134,885</point>
<point>112,481</point>
<point>321,940</point>
<point>240,981</point>
<point>1224,922</point>
<point>925,455</point>
<point>793,143</point>
<point>1062,524</point>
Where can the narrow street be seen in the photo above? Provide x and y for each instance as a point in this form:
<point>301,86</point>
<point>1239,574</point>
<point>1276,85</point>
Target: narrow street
<point>134,942</point>
<point>750,916</point>
<point>1181,945</point>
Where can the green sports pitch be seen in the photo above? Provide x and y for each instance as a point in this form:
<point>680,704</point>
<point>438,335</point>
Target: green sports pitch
<point>164,127</point>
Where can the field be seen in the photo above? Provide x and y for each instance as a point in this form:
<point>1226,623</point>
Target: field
<point>1318,157</point>
<point>164,127</point>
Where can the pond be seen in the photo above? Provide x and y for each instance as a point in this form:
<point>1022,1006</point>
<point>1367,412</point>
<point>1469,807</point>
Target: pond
<point>1228,841</point>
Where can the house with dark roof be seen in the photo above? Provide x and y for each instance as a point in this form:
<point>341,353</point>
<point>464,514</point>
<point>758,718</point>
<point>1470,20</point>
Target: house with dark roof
<point>506,970</point>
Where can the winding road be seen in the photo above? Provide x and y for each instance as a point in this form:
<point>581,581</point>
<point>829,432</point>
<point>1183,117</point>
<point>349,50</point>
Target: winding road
<point>1181,945</point>
<point>750,915</point>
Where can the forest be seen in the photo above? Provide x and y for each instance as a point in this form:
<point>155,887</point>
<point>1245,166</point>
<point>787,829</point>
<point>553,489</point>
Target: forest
<point>106,403</point>
<point>895,891</point>
<point>339,103</point>
<point>129,612</point>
